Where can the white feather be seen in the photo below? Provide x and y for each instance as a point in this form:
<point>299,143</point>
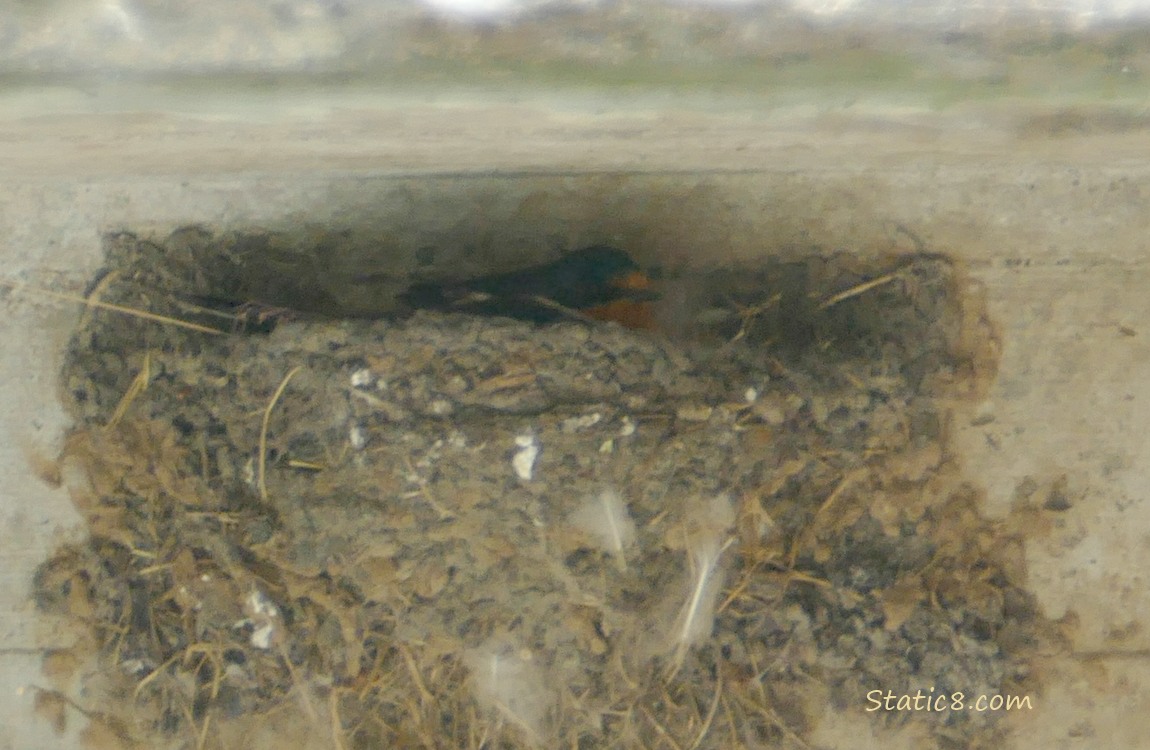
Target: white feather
<point>604,517</point>
<point>509,682</point>
<point>708,537</point>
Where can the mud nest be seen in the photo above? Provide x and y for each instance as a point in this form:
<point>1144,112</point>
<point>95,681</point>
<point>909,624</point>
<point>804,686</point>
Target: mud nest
<point>453,532</point>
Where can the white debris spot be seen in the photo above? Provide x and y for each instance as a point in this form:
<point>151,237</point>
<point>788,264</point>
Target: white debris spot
<point>361,378</point>
<point>188,600</point>
<point>628,427</point>
<point>258,605</point>
<point>524,459</point>
<point>249,473</point>
<point>607,446</point>
<point>456,385</point>
<point>751,395</point>
<point>574,424</point>
<point>264,615</point>
<point>441,407</point>
<point>262,636</point>
<point>135,667</point>
<point>356,437</point>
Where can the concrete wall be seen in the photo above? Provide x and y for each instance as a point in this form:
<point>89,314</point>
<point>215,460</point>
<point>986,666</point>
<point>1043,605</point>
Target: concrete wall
<point>1050,219</point>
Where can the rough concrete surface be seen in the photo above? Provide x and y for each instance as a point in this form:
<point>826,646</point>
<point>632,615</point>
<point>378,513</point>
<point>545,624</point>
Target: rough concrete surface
<point>1052,227</point>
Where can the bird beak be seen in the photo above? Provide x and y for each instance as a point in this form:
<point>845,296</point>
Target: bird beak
<point>636,280</point>
<point>637,287</point>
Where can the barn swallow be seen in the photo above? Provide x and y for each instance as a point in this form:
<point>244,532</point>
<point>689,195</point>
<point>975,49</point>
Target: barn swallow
<point>598,282</point>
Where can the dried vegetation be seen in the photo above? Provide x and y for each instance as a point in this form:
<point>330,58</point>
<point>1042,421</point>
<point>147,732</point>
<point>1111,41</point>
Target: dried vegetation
<point>451,532</point>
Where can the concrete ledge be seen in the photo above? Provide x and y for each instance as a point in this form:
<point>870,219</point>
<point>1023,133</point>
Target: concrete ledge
<point>1053,228</point>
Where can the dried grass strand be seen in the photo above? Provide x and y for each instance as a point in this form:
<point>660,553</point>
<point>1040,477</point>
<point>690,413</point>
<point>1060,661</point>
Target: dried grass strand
<point>122,309</point>
<point>858,289</point>
<point>710,714</point>
<point>139,384</point>
<point>261,468</point>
